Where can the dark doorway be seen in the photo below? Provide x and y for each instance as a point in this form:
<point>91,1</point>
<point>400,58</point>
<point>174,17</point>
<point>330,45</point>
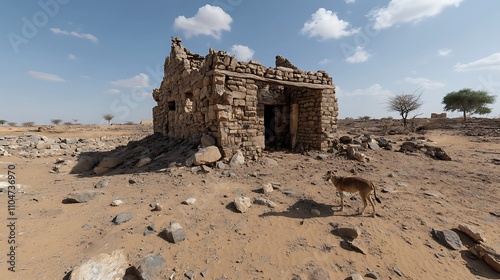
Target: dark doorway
<point>269,124</point>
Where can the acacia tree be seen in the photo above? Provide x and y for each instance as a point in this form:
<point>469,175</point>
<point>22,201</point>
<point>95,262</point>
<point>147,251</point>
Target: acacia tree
<point>108,117</point>
<point>468,101</point>
<point>12,123</point>
<point>56,121</point>
<point>2,122</point>
<point>404,104</point>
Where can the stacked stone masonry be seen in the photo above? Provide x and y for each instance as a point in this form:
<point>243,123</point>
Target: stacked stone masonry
<point>244,105</point>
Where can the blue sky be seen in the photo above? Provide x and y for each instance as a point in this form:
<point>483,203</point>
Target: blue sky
<point>73,59</point>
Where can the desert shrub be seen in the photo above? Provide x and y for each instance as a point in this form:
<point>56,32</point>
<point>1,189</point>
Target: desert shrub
<point>12,123</point>
<point>28,124</point>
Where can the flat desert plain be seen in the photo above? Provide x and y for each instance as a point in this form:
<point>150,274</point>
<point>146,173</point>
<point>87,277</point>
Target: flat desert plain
<point>297,236</point>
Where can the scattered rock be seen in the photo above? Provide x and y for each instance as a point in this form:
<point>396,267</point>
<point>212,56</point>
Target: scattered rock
<point>175,233</point>
<point>345,139</point>
<point>81,196</point>
<point>220,165</point>
<point>149,267</point>
<point>189,274</point>
<point>356,276</point>
<point>448,238</point>
<point>371,275</point>
<point>269,162</point>
<point>267,188</point>
<point>264,201</point>
<point>237,159</point>
<point>101,184</point>
<point>189,201</point>
<point>488,255</point>
<point>206,169</point>
<point>353,153</point>
<point>437,152</point>
<point>143,161</point>
<point>132,181</point>
<point>204,273</point>
<point>348,231</point>
<point>103,266</point>
<point>373,145</point>
<point>207,155</point>
<point>106,164</point>
<point>397,271</point>
<point>322,157</point>
<point>242,204</point>
<point>316,212</point>
<point>408,147</point>
<point>116,202</point>
<point>358,246</point>
<point>474,233</point>
<point>156,207</point>
<point>122,218</point>
<point>319,273</point>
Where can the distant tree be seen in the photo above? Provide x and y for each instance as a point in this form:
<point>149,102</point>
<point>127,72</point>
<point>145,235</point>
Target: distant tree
<point>56,121</point>
<point>68,123</point>
<point>28,124</point>
<point>2,122</point>
<point>349,118</point>
<point>108,117</point>
<point>404,104</point>
<point>468,101</point>
<point>75,120</point>
<point>130,123</point>
<point>365,118</point>
<point>12,123</point>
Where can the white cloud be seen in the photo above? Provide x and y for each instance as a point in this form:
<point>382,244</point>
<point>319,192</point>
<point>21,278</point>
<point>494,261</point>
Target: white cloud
<point>112,91</point>
<point>71,56</point>
<point>360,55</point>
<point>350,1</point>
<point>324,61</point>
<point>373,90</point>
<point>45,76</point>
<point>209,20</point>
<point>408,11</point>
<point>243,53</point>
<point>491,62</point>
<point>326,25</point>
<point>424,83</point>
<point>139,80</point>
<point>444,52</point>
<point>75,34</point>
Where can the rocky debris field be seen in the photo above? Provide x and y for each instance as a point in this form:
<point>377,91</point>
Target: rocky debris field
<point>151,208</point>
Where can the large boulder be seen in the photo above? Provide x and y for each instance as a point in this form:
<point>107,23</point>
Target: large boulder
<point>207,155</point>
<point>103,266</point>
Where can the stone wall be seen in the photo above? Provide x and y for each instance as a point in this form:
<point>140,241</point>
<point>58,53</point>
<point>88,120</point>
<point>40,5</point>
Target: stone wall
<point>234,101</point>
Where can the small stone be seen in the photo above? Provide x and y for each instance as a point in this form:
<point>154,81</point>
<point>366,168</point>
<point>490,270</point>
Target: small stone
<point>315,212</point>
<point>371,275</point>
<point>448,238</point>
<point>132,181</point>
<point>474,233</point>
<point>206,169</point>
<point>101,184</point>
<point>190,201</point>
<point>122,218</point>
<point>157,207</point>
<point>189,274</point>
<point>204,273</point>
<point>81,196</point>
<point>175,233</point>
<point>220,165</point>
<point>359,246</point>
<point>397,271</point>
<point>116,202</point>
<point>322,157</point>
<point>373,145</point>
<point>264,201</point>
<point>237,159</point>
<point>356,276</point>
<point>149,267</point>
<point>143,161</point>
<point>345,139</point>
<point>267,188</point>
<point>242,203</point>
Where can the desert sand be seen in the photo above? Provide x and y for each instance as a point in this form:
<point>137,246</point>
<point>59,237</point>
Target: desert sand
<point>295,240</point>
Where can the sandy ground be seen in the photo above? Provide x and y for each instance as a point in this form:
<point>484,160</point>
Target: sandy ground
<point>263,243</point>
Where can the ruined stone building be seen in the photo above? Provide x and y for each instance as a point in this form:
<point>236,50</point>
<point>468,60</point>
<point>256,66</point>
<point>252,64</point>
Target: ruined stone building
<point>244,106</point>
